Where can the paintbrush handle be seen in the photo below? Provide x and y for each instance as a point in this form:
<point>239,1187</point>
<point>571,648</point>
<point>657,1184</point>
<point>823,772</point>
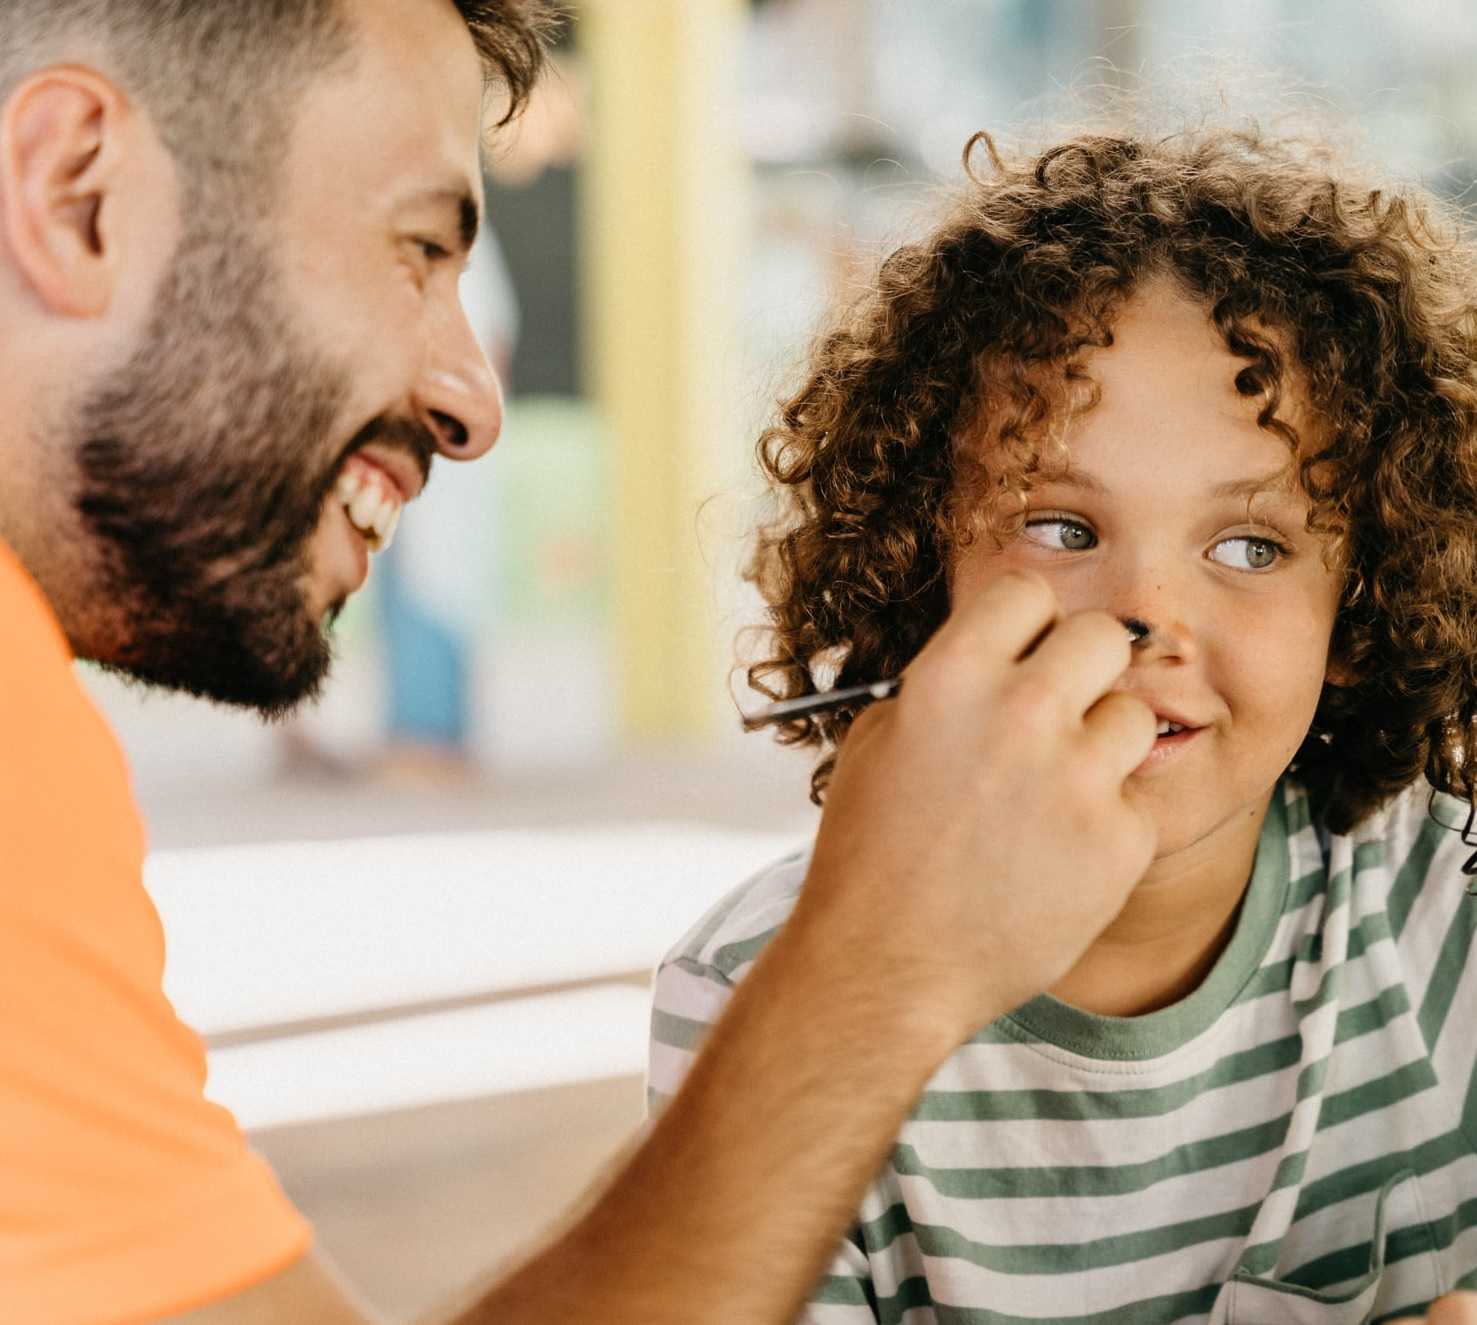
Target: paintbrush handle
<point>828,699</point>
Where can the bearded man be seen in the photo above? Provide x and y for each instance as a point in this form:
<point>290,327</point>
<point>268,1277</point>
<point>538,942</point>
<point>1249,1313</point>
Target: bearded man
<point>232,352</point>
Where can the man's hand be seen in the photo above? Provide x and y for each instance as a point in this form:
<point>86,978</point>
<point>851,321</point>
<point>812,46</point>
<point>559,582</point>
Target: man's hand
<point>975,842</point>
<point>1453,1309</point>
<point>977,838</point>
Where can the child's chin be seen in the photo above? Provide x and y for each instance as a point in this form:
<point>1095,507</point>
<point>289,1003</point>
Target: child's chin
<point>1177,825</point>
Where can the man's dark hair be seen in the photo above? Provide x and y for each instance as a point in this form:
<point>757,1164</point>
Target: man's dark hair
<point>511,37</point>
<point>219,77</point>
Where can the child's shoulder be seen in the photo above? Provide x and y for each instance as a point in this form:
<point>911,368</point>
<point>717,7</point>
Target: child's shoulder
<point>734,931</point>
<point>1402,836</point>
<point>1417,815</point>
<point>1414,836</point>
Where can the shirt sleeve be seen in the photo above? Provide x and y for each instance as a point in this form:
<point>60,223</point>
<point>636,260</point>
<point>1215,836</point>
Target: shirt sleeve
<point>845,1294</point>
<point>689,999</point>
<point>1434,922</point>
<point>124,1194</point>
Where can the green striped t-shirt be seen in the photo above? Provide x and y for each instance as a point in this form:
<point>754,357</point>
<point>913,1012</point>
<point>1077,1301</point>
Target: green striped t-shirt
<point>1291,1144</point>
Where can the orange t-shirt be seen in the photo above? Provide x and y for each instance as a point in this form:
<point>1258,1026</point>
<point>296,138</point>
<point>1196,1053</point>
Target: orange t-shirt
<point>124,1194</point>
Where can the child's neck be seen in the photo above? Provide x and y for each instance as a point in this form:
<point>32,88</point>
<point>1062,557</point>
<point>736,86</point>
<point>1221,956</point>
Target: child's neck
<point>1177,922</point>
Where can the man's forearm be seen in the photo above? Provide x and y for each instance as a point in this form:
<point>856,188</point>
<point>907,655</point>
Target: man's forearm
<point>731,1208</point>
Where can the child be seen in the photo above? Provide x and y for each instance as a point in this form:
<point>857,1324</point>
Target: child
<point>1217,386</point>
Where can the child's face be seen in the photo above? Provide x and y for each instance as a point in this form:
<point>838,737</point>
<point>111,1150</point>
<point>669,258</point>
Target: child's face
<point>1153,523</point>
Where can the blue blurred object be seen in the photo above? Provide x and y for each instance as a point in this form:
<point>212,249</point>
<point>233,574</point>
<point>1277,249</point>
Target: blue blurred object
<point>428,664</point>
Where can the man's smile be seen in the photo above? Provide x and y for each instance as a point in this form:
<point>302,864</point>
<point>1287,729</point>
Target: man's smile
<point>372,499</point>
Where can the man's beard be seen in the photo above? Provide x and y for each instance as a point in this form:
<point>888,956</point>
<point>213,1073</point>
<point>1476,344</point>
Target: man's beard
<point>204,464</point>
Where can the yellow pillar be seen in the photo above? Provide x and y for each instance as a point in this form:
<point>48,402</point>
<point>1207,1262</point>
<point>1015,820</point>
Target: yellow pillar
<point>664,227</point>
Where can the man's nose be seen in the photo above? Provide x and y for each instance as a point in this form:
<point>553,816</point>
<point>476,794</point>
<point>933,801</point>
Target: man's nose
<point>459,396</point>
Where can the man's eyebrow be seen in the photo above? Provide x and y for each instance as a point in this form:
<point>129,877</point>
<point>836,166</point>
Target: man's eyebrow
<point>469,216</point>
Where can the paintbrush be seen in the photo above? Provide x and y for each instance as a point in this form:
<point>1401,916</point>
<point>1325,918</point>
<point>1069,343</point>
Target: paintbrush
<point>825,700</point>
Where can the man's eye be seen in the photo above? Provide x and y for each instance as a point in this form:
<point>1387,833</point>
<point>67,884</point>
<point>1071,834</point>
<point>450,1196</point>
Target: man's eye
<point>434,252</point>
<point>1248,553</point>
<point>1061,534</point>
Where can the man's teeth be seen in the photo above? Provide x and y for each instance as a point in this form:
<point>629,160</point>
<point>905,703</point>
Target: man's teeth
<point>372,511</point>
<point>1168,728</point>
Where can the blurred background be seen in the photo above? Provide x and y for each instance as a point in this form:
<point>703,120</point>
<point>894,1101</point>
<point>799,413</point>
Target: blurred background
<point>417,924</point>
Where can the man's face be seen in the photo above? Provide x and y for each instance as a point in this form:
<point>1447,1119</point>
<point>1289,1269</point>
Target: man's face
<point>1172,513</point>
<point>297,376</point>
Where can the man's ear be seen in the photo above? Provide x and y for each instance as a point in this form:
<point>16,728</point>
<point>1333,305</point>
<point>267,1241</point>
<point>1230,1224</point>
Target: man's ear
<point>59,153</point>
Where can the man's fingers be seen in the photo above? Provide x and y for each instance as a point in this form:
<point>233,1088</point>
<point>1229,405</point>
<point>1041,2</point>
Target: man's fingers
<point>1082,657</point>
<point>1120,731</point>
<point>997,625</point>
<point>1454,1309</point>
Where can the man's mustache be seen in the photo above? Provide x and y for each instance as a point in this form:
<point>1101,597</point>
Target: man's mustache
<point>404,435</point>
<point>414,439</point>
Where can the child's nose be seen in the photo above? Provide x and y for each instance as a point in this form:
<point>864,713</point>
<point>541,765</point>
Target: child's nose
<point>1158,637</point>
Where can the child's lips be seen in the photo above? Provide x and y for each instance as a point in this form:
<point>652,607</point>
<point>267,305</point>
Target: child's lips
<point>1168,748</point>
<point>1163,715</point>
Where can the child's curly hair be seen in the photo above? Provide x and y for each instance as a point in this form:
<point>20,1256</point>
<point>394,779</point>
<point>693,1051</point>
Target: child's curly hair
<point>1360,297</point>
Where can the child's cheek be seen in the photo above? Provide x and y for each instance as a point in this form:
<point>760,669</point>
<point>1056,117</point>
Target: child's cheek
<point>1271,662</point>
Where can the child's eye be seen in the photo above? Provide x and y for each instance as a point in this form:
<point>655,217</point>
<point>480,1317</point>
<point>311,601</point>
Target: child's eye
<point>433,251</point>
<point>1060,533</point>
<point>1248,553</point>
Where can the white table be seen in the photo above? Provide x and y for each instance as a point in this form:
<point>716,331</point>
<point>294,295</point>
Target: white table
<point>339,978</point>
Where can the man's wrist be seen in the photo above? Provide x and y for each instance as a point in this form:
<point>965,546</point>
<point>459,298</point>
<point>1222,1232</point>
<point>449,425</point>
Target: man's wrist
<point>913,1009</point>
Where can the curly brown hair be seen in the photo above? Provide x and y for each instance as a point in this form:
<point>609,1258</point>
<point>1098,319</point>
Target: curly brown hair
<point>1351,298</point>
